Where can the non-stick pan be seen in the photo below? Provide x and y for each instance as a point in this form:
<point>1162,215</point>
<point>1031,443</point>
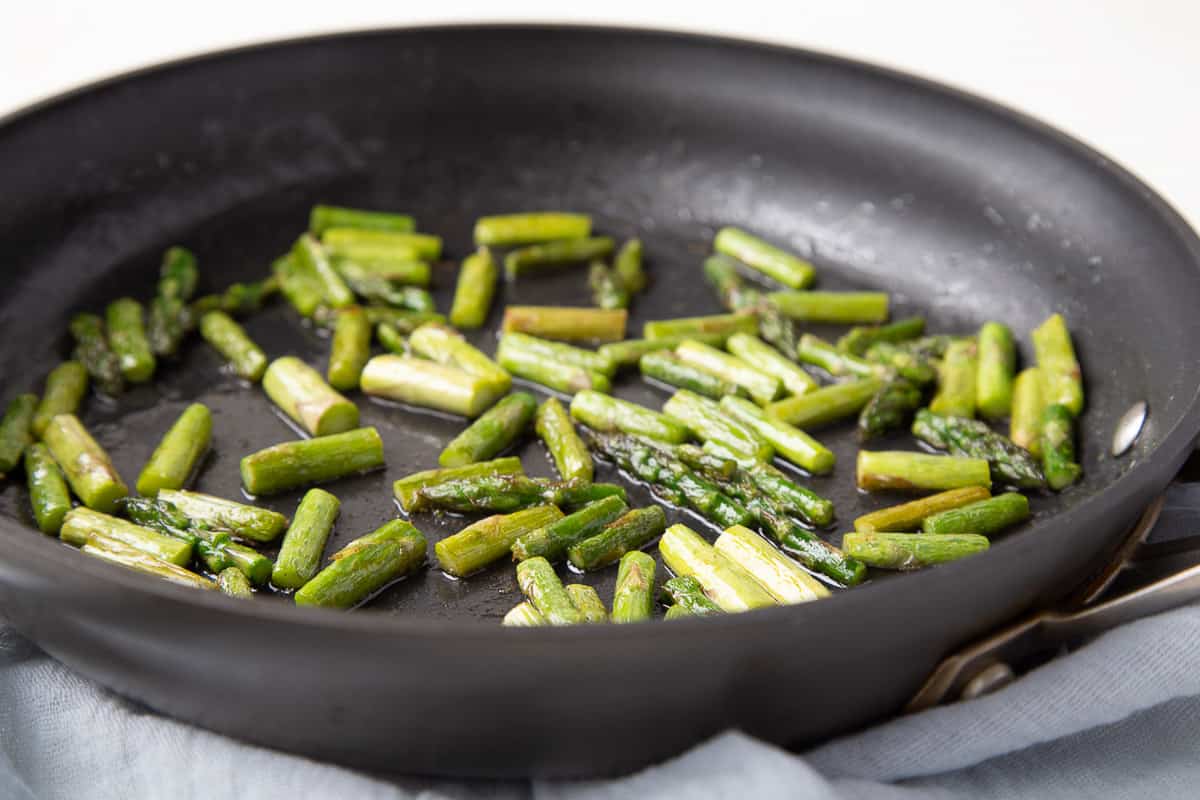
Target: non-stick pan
<point>963,210</point>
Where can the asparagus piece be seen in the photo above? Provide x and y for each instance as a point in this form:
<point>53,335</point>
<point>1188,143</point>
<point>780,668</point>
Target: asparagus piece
<point>826,404</point>
<point>402,270</point>
<point>818,352</point>
<point>551,541</point>
<point>1010,463</point>
<point>633,596</point>
<point>984,517</point>
<point>490,539</point>
<point>607,289</point>
<point>836,307</point>
<point>686,593</point>
<point>170,318</point>
<point>773,325</point>
<point>504,493</point>
<point>546,593</point>
<point>706,420</point>
<point>761,386</point>
<point>216,513</point>
<point>823,558</point>
<point>127,338</point>
<point>677,612</point>
<point>903,362</point>
<point>179,453</point>
<point>402,320</point>
<point>571,456</point>
<point>348,241</point>
<point>302,394</point>
<point>557,375</point>
<point>348,353</point>
<point>889,408</point>
<point>48,492</point>
<point>215,548</point>
<point>591,360</point>
<point>406,488</point>
<point>367,565</point>
<point>1025,425</point>
<point>238,298</point>
<point>443,344</point>
<point>957,381</point>
<point>905,471</point>
<point>628,265</point>
<point>567,323</point>
<point>507,230</point>
<point>788,269</point>
<point>766,359</point>
<point>911,550</point>
<point>291,465</point>
<point>300,554</point>
<point>92,350</point>
<point>523,615</point>
<point>909,516</point>
<point>80,524</point>
<point>426,383</point>
<point>673,371</point>
<point>323,217</point>
<point>368,284</point>
<point>630,351</point>
<point>232,582</point>
<point>685,328</point>
<point>1062,379</point>
<point>494,431</point>
<point>1058,447</point>
<point>529,259</point>
<point>587,602</point>
<point>312,260</point>
<point>16,431</point>
<point>392,340</point>
<point>66,386</point>
<point>790,496</point>
<point>301,288</point>
<point>632,531</point>
<point>790,442</point>
<point>924,348</point>
<point>89,470</point>
<point>475,289</point>
<point>117,552</point>
<point>230,340</point>
<point>858,340</point>
<point>725,583</point>
<point>994,379</point>
<point>778,574</point>
<point>609,414</point>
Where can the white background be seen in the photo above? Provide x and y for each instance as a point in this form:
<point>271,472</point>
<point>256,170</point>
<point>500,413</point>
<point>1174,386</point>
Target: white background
<point>1122,75</point>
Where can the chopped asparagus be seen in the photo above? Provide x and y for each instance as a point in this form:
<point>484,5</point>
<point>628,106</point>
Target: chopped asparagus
<point>302,394</point>
<point>903,362</point>
<point>906,471</point>
<point>406,488</point>
<point>549,372</point>
<point>16,431</point>
<point>348,241</point>
<point>211,548</point>
<point>762,386</point>
<point>994,379</point>
<point>216,513</point>
<point>628,265</point>
<point>66,386</point>
<point>587,602</point>
<point>633,596</point>
<point>80,524</point>
<point>93,351</point>
<point>890,408</point>
<point>551,541</point>
<point>323,217</point>
<point>179,453</point>
<point>1025,424</point>
<point>826,404</point>
<point>725,583</point>
<point>170,317</point>
<point>366,567</point>
<point>839,307</point>
<point>790,270</point>
<point>369,285</point>
<point>859,340</point>
<point>233,582</point>
<point>686,593</point>
<point>504,493</point>
<point>777,573</point>
<point>957,381</point>
<point>383,266</point>
<point>117,552</point>
<point>546,593</point>
<point>127,338</point>
<point>567,323</point>
<point>911,550</point>
<point>403,320</point>
<point>607,289</point>
<point>766,359</point>
<point>238,299</point>
<point>684,328</point>
<point>490,539</point>
<point>630,351</point>
<point>818,352</point>
<point>670,369</point>
<point>984,517</point>
<point>909,516</point>
<point>531,258</point>
<point>571,456</point>
<point>350,350</point>
<point>708,422</point>
<point>1058,447</point>
<point>967,437</point>
<point>721,271</point>
<point>1062,379</point>
<point>87,466</point>
<point>475,289</point>
<point>392,340</point>
<point>609,414</point>
<point>290,465</point>
<point>631,531</point>
<point>790,442</point>
<point>507,230</point>
<point>494,431</point>
<point>438,342</point>
<point>523,615</point>
<point>300,553</point>
<point>230,340</point>
<point>48,492</point>
<point>301,288</point>
<point>427,383</point>
<point>311,260</point>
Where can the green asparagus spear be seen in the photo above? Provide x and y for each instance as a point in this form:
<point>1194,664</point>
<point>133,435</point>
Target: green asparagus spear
<point>860,339</point>
<point>691,327</point>
<point>322,218</point>
<point>89,470</point>
<point>837,307</point>
<point>230,340</point>
<point>93,351</point>
<point>291,465</point>
<point>778,574</point>
<point>530,259</point>
<point>232,582</point>
<point>925,348</point>
<point>685,592</point>
<point>490,539</point>
<point>127,338</point>
<point>790,270</point>
<point>911,550</point>
<point>504,493</point>
<point>633,596</point>
<point>406,488</point>
<point>566,323</point>
<point>726,583</point>
<point>708,422</point>
<point>216,513</point>
<point>350,349</point>
<point>591,360</point>
<point>552,374</point>
<point>402,320</point>
<point>238,299</point>
<point>170,318</point>
<point>1025,424</point>
<point>523,615</point>
<point>570,454</point>
<point>774,326</point>
<point>302,394</point>
<point>80,524</point>
<point>984,517</point>
<point>818,352</point>
<point>1062,380</point>
<point>905,471</point>
<point>1058,447</point>
<point>766,359</point>
<point>630,351</point>
<point>997,361</point>
<point>367,565</point>
<point>607,289</point>
<point>608,414</point>
<point>16,431</point>
<point>762,386</point>
<point>790,442</point>
<point>670,369</point>
<point>890,408</point>
<point>402,270</point>
<point>588,603</point>
<point>551,542</point>
<point>632,531</point>
<point>392,340</point>
<point>494,431</point>
<point>823,558</point>
<point>545,591</point>
<point>348,241</point>
<point>370,286</point>
<point>507,230</point>
<point>909,516</point>
<point>443,344</point>
<point>426,383</point>
<point>179,453</point>
<point>957,381</point>
<point>311,260</point>
<point>793,498</point>
<point>966,437</point>
<point>66,386</point>
<point>48,492</point>
<point>300,554</point>
<point>628,265</point>
<point>213,546</point>
<point>299,286</point>
<point>826,404</point>
<point>475,289</point>
<point>117,552</point>
<point>918,368</point>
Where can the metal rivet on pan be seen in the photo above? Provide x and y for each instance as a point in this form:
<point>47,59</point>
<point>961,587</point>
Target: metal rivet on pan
<point>989,680</point>
<point>1129,427</point>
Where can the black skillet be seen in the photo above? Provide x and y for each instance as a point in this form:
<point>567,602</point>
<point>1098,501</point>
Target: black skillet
<point>963,210</point>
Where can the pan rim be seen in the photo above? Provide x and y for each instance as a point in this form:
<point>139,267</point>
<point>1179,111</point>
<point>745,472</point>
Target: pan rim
<point>1172,449</point>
